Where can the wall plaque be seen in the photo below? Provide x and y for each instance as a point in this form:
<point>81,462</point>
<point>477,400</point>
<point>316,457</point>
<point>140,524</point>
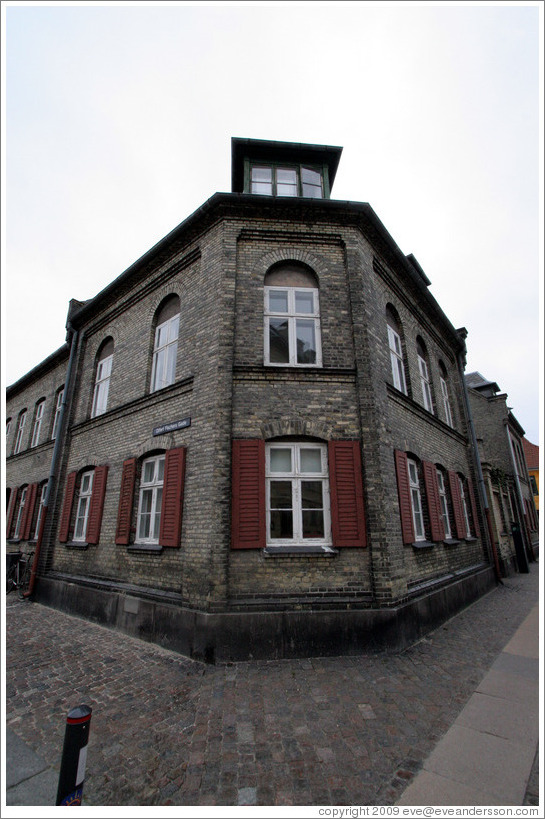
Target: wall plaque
<point>174,425</point>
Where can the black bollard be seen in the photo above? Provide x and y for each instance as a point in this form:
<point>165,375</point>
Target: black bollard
<point>74,756</point>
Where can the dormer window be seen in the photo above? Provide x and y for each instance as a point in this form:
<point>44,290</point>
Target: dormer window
<point>272,180</point>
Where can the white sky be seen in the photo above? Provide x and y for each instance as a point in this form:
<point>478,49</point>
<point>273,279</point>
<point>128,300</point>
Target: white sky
<point>118,121</point>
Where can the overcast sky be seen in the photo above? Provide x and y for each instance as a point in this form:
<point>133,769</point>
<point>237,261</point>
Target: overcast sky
<point>118,121</point>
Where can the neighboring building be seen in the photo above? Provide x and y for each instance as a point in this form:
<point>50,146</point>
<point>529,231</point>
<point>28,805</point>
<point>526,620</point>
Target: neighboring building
<point>531,453</point>
<point>264,449</point>
<point>508,486</point>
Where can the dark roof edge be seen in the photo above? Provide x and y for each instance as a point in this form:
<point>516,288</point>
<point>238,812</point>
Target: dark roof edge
<point>210,210</point>
<point>41,368</point>
<point>516,424</point>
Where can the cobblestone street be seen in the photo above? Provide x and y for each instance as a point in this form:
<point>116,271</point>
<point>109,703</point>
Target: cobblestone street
<point>326,731</point>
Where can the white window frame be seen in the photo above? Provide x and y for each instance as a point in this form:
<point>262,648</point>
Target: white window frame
<point>426,383</point>
<point>464,506</point>
<point>102,386</point>
<point>154,488</point>
<point>292,317</point>
<point>416,500</point>
<point>85,492</point>
<point>58,408</point>
<point>163,371</point>
<point>37,423</point>
<point>40,510</point>
<point>444,503</point>
<point>20,431</point>
<point>20,511</point>
<point>297,476</point>
<point>446,402</point>
<point>396,359</point>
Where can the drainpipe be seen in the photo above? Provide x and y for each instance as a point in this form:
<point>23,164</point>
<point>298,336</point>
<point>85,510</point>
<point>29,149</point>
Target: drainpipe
<point>57,449</point>
<point>481,483</point>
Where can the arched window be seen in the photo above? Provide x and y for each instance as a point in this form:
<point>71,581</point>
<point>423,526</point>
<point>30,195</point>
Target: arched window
<point>81,516</point>
<point>20,512</point>
<point>292,317</point>
<point>167,324</point>
<point>57,416</point>
<point>424,371</point>
<point>103,371</point>
<point>38,418</point>
<point>396,349</point>
<point>20,431</point>
<point>443,379</point>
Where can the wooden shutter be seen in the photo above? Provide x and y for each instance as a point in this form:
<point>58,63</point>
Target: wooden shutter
<point>346,490</point>
<point>170,530</point>
<point>11,510</point>
<point>64,526</point>
<point>97,505</point>
<point>434,501</point>
<point>476,529</point>
<point>32,491</point>
<point>248,495</point>
<point>454,483</point>
<point>404,494</point>
<point>126,499</point>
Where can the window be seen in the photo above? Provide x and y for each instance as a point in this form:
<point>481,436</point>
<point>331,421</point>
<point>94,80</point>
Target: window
<point>271,180</point>
<point>8,428</point>
<point>41,504</point>
<point>20,513</point>
<point>57,415</point>
<point>416,500</point>
<point>396,351</point>
<point>81,516</point>
<point>150,500</point>
<point>37,423</point>
<point>20,430</point>
<point>443,380</point>
<point>165,349</point>
<point>292,326</point>
<point>464,507</point>
<point>297,495</point>
<point>102,379</point>
<point>444,504</point>
<point>425,380</point>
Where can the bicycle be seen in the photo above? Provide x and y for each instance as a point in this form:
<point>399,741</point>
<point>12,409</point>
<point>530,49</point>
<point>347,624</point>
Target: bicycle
<point>18,574</point>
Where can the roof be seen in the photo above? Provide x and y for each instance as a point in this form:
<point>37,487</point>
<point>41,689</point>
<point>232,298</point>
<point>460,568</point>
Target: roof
<point>478,382</point>
<point>531,453</point>
<point>265,150</point>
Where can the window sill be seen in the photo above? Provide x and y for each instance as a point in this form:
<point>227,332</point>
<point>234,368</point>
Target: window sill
<point>423,544</point>
<point>145,548</point>
<point>451,542</point>
<point>470,539</point>
<point>77,544</point>
<point>294,551</point>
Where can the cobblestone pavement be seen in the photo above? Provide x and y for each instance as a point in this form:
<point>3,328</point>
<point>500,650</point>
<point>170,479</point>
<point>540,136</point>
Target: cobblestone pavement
<point>327,731</point>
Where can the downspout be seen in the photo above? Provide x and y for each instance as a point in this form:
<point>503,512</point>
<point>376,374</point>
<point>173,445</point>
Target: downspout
<point>481,483</point>
<point>57,449</point>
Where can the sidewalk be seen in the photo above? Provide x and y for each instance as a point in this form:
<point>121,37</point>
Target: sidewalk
<point>486,757</point>
<point>405,729</point>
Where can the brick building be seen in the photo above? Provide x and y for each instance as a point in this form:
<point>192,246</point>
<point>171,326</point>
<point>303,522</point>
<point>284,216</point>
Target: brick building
<point>262,445</point>
<point>508,487</point>
<point>531,453</point>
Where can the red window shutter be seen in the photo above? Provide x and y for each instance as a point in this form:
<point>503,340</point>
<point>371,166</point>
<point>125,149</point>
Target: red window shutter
<point>11,510</point>
<point>434,503</point>
<point>64,526</point>
<point>346,490</point>
<point>97,505</point>
<point>29,510</point>
<point>404,494</point>
<point>126,498</point>
<point>454,483</point>
<point>170,531</point>
<point>476,529</point>
<point>248,495</point>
